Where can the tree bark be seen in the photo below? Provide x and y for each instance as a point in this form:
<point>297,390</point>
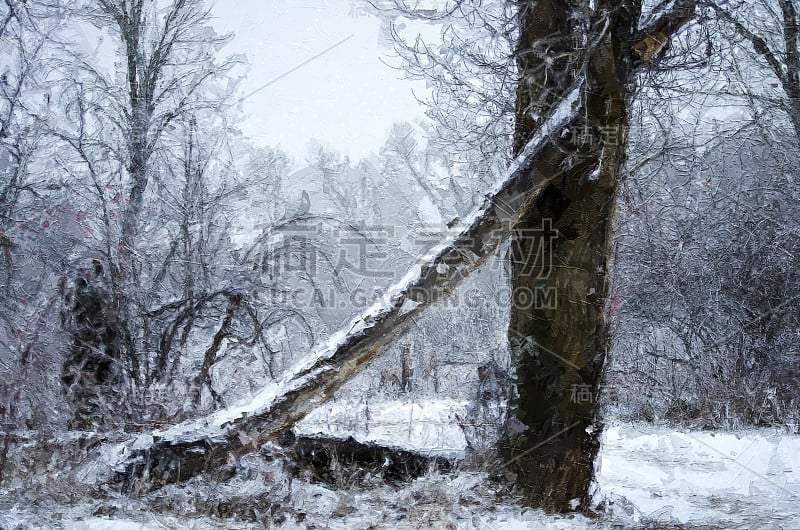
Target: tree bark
<point>559,340</point>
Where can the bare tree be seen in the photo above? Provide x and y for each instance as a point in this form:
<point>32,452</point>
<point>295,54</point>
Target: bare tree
<point>31,206</point>
<point>771,30</point>
<point>550,56</point>
<point>557,332</point>
<point>579,64</point>
<point>705,252</point>
<point>126,131</point>
<point>560,346</point>
<point>706,227</point>
<point>471,67</point>
<point>169,58</point>
<point>412,154</point>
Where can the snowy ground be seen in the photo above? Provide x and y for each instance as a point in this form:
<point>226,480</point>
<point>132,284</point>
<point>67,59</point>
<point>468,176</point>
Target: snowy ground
<point>743,479</point>
<point>430,427</point>
<point>648,477</point>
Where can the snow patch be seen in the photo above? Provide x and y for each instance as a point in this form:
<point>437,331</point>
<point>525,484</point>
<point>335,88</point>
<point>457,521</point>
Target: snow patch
<point>408,306</point>
<point>697,477</point>
<point>429,428</point>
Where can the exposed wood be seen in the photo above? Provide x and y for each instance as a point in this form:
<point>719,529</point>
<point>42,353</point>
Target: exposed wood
<point>652,41</point>
<point>652,44</point>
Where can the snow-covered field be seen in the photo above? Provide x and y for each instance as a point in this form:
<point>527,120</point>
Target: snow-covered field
<point>742,479</point>
<point>645,475</point>
<point>648,477</point>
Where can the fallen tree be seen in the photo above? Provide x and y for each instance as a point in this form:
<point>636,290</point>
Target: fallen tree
<point>187,449</point>
<point>339,462</point>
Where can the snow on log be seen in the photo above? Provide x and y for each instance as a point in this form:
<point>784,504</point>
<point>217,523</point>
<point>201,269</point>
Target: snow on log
<point>189,448</point>
<point>432,428</point>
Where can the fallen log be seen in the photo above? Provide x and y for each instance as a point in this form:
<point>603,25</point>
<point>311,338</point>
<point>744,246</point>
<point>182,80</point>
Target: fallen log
<point>190,448</point>
<point>342,462</point>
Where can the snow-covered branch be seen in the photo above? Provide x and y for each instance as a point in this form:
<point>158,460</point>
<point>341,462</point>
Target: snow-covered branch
<point>668,19</point>
<point>186,449</point>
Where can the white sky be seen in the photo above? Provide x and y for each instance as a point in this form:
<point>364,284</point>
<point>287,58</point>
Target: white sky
<point>346,98</point>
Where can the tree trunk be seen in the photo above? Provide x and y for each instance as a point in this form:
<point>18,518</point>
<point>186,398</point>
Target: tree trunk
<point>557,328</point>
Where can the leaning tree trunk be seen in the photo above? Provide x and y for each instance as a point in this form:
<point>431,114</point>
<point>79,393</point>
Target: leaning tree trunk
<point>560,253</point>
<point>190,448</point>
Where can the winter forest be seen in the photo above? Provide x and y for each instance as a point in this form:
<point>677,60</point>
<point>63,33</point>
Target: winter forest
<point>532,264</point>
